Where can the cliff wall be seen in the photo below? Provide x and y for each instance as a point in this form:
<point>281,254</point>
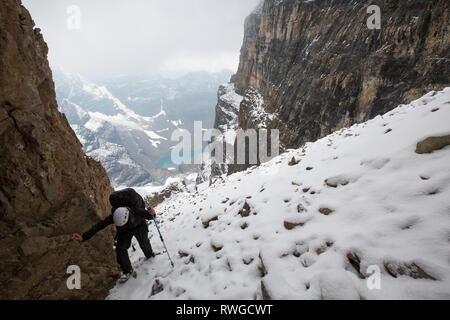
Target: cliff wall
<point>49,189</point>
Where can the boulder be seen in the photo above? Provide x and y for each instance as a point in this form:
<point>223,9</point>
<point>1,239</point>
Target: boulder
<point>432,144</point>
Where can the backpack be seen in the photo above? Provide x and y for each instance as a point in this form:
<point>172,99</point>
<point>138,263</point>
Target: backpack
<point>128,198</point>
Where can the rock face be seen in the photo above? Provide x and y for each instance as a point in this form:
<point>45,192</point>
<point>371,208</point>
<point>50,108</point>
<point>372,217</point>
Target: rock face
<point>49,189</point>
<point>227,109</point>
<point>309,68</point>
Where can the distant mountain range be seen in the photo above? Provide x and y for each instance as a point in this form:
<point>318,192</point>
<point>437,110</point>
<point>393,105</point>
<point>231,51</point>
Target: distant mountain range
<point>127,122</point>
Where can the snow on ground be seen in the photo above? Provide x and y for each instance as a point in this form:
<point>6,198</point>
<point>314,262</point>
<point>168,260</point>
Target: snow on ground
<point>359,200</point>
<point>181,181</point>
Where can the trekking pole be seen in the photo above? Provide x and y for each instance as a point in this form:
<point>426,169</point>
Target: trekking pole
<point>162,240</point>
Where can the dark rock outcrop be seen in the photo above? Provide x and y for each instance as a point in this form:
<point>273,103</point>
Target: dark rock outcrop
<point>227,109</point>
<point>309,68</point>
<point>49,189</point>
<point>319,67</point>
<point>156,198</point>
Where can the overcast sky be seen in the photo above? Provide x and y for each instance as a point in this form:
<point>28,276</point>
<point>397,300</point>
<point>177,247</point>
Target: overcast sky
<point>117,37</point>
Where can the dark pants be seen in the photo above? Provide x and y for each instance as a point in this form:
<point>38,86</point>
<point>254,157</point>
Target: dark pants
<point>124,243</point>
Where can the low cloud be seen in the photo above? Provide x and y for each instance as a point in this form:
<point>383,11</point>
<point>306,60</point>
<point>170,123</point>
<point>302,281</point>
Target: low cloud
<point>142,36</point>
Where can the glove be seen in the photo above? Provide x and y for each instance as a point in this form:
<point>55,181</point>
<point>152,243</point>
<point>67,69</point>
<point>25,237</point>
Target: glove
<point>152,212</point>
<point>78,237</point>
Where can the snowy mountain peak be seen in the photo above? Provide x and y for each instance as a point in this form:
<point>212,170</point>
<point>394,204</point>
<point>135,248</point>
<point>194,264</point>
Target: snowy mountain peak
<point>126,123</point>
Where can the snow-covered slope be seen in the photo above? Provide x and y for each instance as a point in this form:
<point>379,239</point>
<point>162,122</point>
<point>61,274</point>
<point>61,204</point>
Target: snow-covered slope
<point>359,200</point>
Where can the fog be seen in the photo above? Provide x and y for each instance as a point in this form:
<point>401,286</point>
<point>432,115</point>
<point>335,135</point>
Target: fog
<point>102,38</point>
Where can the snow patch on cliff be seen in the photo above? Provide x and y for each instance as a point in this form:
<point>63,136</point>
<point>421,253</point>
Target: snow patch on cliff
<point>258,114</point>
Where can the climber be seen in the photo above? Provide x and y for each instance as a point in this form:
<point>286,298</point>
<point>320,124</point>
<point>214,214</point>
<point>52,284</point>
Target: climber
<point>129,215</point>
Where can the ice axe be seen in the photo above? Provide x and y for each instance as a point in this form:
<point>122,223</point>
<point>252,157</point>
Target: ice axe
<point>162,240</point>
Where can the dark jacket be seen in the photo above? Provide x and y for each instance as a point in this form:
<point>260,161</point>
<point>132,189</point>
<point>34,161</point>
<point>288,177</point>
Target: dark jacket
<point>137,219</point>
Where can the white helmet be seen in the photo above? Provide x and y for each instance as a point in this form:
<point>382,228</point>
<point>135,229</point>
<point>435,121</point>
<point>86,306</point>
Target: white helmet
<point>121,216</point>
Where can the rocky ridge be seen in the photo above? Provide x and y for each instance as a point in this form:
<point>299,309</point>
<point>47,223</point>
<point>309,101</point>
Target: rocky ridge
<point>309,68</point>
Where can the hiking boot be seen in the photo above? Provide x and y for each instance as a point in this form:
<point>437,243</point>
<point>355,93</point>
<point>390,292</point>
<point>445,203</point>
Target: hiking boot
<point>151,256</point>
<point>126,276</point>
